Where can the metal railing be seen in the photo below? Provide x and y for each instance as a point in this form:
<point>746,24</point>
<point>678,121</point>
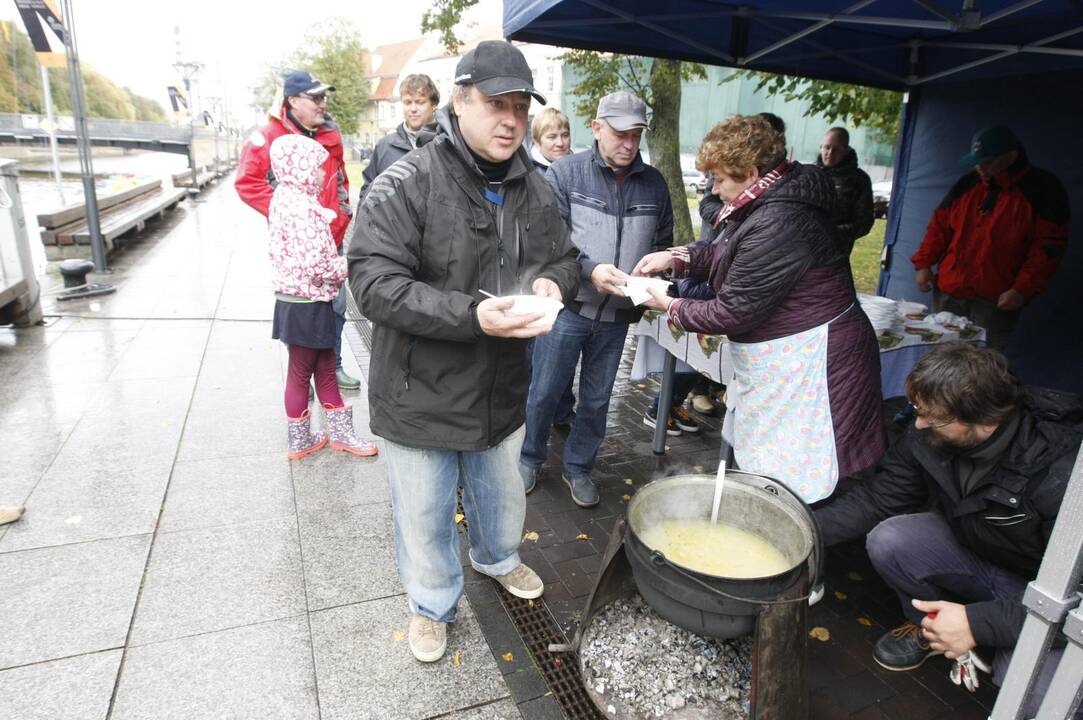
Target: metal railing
<point>100,128</point>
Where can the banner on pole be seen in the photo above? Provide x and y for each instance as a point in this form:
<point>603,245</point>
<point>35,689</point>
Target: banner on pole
<point>177,99</point>
<point>46,30</point>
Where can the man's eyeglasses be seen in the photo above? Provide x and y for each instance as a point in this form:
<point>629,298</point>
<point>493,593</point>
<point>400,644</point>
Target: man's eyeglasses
<point>318,99</point>
<point>933,423</point>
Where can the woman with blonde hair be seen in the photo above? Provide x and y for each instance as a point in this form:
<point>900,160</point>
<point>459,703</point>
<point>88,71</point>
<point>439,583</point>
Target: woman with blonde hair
<point>804,405</point>
<point>552,136</point>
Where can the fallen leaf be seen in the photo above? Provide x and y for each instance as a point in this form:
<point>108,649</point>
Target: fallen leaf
<point>840,594</point>
<point>820,633</point>
<point>530,603</point>
<point>459,517</point>
<point>856,577</point>
<point>641,386</point>
<point>558,661</point>
<point>456,660</point>
<point>625,498</point>
<point>398,635</point>
<point>508,657</point>
<point>628,481</point>
<point>582,536</point>
<point>531,536</point>
<point>865,621</point>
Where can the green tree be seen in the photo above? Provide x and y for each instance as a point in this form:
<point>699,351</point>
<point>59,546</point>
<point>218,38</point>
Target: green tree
<point>838,102</point>
<point>658,82</point>
<point>443,17</point>
<point>332,51</point>
<point>146,109</point>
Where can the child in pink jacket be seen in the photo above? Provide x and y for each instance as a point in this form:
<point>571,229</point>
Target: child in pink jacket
<point>308,273</point>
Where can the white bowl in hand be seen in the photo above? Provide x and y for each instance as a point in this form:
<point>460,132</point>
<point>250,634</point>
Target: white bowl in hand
<point>532,304</point>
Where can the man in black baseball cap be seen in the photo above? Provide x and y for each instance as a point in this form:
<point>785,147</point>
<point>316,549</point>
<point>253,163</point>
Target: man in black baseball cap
<point>496,67</point>
<point>463,215</point>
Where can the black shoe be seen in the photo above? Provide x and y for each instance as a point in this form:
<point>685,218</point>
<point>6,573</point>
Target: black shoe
<point>682,419</point>
<point>650,419</point>
<point>564,425</point>
<point>529,476</point>
<point>345,381</point>
<point>584,492</point>
<point>903,648</point>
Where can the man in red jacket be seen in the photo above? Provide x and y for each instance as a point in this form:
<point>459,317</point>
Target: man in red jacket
<point>303,112</point>
<point>996,238</point>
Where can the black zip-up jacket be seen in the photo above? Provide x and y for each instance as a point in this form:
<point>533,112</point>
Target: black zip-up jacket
<point>1006,518</point>
<point>389,149</point>
<point>853,213</point>
<point>426,242</point>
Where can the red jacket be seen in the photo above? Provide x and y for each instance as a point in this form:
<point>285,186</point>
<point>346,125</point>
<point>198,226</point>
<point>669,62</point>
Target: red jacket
<point>1017,243</point>
<point>255,182</point>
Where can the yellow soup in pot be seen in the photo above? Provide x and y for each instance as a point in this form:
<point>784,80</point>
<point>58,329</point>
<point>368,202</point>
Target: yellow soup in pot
<point>724,550</point>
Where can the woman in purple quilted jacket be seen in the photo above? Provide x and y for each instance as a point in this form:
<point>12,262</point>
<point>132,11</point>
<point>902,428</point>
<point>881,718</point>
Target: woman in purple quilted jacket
<point>804,406</point>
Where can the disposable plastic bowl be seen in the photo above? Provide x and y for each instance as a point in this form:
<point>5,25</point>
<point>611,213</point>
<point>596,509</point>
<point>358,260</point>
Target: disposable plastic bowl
<point>531,304</point>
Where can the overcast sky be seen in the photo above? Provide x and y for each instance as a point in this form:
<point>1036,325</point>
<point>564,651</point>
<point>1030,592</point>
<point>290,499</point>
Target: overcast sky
<point>133,41</point>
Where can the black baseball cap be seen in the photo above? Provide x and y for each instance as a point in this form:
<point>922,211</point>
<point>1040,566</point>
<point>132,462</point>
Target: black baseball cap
<point>496,67</point>
<point>302,82</point>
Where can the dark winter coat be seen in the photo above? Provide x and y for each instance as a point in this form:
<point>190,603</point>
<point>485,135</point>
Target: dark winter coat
<point>389,150</point>
<point>426,243</point>
<point>852,212</point>
<point>1006,518</point>
<point>780,269</point>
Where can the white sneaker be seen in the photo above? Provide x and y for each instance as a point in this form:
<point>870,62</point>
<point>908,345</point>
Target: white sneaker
<point>522,582</point>
<point>428,638</point>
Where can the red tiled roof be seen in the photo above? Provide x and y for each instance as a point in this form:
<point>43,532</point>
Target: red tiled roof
<point>385,90</point>
<point>394,57</point>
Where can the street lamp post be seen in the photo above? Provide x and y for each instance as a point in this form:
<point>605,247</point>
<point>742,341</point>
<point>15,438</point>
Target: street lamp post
<point>189,71</point>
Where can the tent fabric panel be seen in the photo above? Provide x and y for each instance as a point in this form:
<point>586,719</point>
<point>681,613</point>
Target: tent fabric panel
<point>1044,112</point>
<point>877,54</point>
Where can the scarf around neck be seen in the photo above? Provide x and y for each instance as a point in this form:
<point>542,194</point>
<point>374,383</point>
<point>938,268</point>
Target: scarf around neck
<point>754,191</point>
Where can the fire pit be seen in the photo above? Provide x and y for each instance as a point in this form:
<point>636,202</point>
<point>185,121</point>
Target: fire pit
<point>758,661</point>
<point>638,664</point>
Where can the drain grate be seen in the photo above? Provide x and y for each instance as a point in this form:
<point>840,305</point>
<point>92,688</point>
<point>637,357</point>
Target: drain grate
<point>560,670</point>
<point>531,617</point>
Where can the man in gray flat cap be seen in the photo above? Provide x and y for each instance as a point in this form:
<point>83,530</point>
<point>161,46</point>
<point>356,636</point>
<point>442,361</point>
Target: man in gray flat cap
<point>617,210</point>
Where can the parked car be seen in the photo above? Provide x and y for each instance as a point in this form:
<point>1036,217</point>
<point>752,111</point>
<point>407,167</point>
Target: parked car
<point>695,180</point>
<point>881,198</point>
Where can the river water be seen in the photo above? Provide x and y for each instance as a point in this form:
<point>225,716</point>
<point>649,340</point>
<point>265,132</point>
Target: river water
<point>114,172</point>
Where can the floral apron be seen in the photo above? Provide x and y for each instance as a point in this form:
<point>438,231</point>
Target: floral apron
<point>779,413</point>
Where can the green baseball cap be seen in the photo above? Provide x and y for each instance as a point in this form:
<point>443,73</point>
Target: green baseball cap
<point>992,142</point>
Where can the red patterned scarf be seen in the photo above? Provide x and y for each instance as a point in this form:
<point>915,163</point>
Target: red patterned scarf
<point>754,191</point>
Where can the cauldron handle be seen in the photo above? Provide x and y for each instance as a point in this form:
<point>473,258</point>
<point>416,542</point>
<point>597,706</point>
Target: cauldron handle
<point>817,564</point>
<point>659,558</point>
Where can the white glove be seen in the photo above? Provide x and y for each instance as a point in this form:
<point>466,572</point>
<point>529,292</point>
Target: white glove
<point>965,670</point>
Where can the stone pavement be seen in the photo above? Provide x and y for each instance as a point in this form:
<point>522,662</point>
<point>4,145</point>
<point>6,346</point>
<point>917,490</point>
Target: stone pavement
<point>173,564</point>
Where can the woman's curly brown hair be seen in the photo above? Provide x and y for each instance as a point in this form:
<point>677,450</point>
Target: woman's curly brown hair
<point>739,144</point>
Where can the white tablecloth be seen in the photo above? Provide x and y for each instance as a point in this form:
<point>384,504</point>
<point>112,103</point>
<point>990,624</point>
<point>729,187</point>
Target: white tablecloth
<point>901,346</point>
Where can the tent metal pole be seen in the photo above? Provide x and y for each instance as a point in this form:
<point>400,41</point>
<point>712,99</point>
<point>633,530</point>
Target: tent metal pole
<point>807,31</point>
<point>999,56</point>
<point>1008,11</point>
<point>713,51</point>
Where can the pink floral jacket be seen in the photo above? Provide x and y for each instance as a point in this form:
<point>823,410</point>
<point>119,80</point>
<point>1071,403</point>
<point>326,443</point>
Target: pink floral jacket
<point>303,255</point>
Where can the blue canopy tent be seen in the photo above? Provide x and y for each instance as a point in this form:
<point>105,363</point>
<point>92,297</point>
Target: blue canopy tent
<point>964,65</point>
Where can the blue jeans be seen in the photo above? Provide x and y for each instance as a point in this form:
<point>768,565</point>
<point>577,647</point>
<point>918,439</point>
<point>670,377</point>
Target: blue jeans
<point>423,484</point>
<point>919,557</point>
<point>555,355</point>
<point>338,307</point>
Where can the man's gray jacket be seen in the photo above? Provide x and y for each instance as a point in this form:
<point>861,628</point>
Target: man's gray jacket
<point>611,223</point>
<point>425,243</point>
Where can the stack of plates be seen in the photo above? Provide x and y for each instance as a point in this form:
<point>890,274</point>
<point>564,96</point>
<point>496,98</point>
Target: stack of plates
<point>881,311</point>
